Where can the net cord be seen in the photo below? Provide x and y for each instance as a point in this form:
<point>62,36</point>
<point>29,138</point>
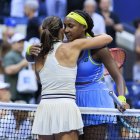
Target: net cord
<point>84,110</point>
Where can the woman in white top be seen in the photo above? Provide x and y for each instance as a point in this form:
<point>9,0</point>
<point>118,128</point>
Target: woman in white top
<point>57,116</point>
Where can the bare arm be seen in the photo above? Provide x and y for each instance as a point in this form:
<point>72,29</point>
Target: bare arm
<point>77,45</point>
<point>105,56</point>
<point>111,66</point>
<point>37,75</point>
<point>15,68</point>
<point>39,63</point>
<point>72,50</point>
<point>91,43</point>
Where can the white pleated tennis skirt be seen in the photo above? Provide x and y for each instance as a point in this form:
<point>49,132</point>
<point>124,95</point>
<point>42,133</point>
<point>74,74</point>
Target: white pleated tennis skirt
<point>54,116</point>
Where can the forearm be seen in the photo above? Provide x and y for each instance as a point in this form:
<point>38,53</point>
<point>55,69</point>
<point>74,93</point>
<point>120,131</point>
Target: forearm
<point>13,69</point>
<point>120,83</point>
<point>121,88</point>
<point>93,43</point>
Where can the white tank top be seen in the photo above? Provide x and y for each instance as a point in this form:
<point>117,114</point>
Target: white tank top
<point>57,81</point>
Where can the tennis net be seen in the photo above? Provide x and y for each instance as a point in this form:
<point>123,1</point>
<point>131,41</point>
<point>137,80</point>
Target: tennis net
<point>108,124</point>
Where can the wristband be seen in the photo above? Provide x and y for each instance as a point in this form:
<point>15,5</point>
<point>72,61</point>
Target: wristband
<point>122,98</point>
<point>28,50</point>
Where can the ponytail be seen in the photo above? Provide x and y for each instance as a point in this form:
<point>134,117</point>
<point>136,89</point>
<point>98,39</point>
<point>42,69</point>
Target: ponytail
<point>50,33</point>
<point>46,41</point>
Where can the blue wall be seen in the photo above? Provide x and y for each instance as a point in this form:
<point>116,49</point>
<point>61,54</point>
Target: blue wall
<point>127,10</point>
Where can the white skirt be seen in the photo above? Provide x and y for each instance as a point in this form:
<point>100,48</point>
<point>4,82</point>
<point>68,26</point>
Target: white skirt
<point>54,116</point>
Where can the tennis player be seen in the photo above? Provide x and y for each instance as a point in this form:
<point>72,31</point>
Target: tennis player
<point>91,90</point>
<point>57,116</point>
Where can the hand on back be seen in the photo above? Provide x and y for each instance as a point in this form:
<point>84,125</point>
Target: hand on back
<point>35,50</point>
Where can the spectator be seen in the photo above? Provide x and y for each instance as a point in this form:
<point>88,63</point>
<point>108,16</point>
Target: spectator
<point>56,8</point>
<point>16,125</point>
<point>10,29</point>
<point>5,94</point>
<point>111,21</point>
<point>33,25</point>
<point>136,68</point>
<point>4,48</point>
<point>4,9</point>
<point>74,5</point>
<point>42,8</point>
<point>17,8</point>
<point>13,62</point>
<point>99,23</point>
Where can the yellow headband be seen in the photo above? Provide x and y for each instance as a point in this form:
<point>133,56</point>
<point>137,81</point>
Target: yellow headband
<point>78,18</point>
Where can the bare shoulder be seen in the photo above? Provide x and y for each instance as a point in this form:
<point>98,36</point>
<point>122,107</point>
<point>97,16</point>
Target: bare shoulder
<point>64,50</point>
<point>66,55</point>
<point>102,53</point>
<point>72,44</point>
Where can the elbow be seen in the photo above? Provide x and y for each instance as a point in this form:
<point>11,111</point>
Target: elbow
<point>109,39</point>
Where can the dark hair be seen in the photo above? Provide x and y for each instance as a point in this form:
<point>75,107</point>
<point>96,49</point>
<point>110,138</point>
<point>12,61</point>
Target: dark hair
<point>88,19</point>
<point>50,31</point>
<point>136,23</point>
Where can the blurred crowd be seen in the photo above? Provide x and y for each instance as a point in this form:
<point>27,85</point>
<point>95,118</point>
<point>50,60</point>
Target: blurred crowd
<point>13,44</point>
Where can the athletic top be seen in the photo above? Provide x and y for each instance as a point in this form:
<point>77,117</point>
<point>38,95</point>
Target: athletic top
<point>89,70</point>
<point>57,81</point>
